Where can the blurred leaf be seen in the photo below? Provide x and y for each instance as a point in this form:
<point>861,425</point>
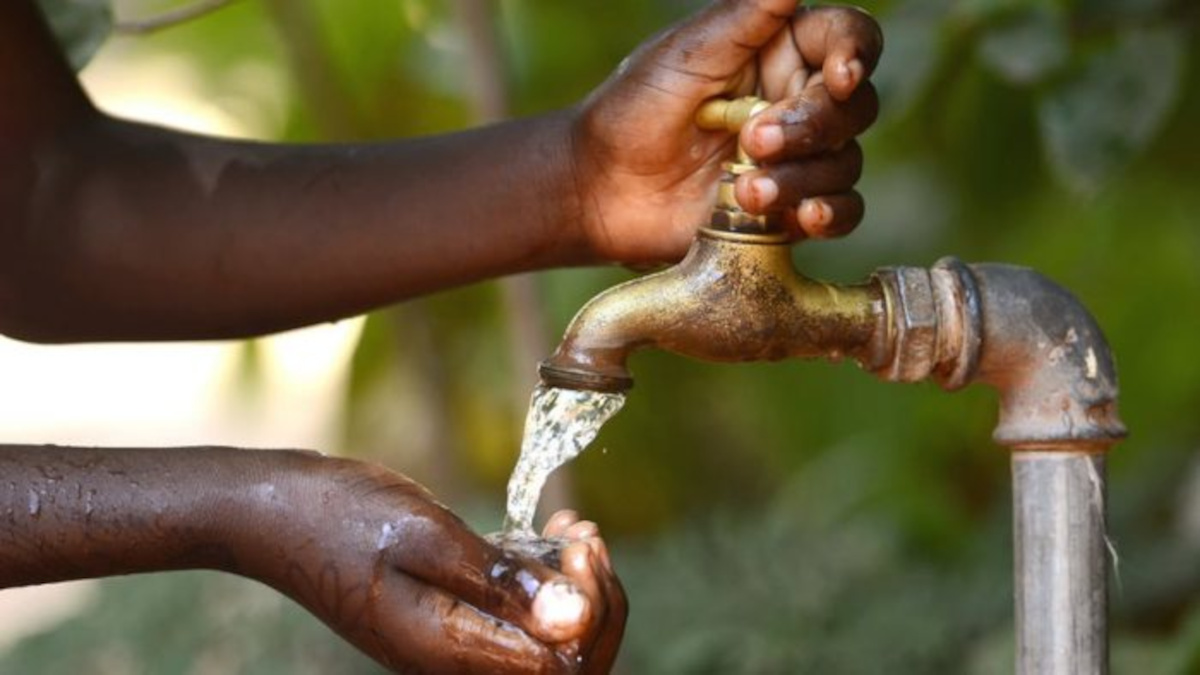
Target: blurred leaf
<point>1125,9</point>
<point>819,582</point>
<point>985,10</point>
<point>81,26</point>
<point>1026,47</point>
<point>188,622</point>
<point>1097,120</point>
<point>911,55</point>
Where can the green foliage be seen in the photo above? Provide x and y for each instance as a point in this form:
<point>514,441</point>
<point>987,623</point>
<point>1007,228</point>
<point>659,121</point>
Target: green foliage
<point>193,622</point>
<point>817,582</point>
<point>81,26</point>
<point>797,517</point>
<point>1113,106</point>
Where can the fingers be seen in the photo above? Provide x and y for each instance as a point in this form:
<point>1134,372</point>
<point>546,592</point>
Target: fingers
<point>777,185</point>
<point>439,550</point>
<point>721,40</point>
<point>563,611</point>
<point>782,72</point>
<point>567,525</point>
<point>810,161</point>
<point>827,216</point>
<point>557,524</point>
<point>844,42</point>
<point>809,124</point>
<point>425,628</point>
<point>587,563</point>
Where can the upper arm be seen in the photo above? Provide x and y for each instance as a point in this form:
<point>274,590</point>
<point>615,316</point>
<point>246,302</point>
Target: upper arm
<point>37,86</point>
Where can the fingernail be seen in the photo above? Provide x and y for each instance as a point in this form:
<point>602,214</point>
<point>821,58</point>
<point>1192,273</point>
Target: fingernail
<point>814,213</point>
<point>768,138</point>
<point>765,191</point>
<point>852,72</point>
<point>559,606</point>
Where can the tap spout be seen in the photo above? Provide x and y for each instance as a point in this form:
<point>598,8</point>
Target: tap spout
<point>734,297</point>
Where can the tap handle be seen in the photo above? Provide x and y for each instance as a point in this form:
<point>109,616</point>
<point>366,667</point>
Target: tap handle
<point>724,114</point>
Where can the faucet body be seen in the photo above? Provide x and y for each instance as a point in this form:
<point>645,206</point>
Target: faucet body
<point>734,297</point>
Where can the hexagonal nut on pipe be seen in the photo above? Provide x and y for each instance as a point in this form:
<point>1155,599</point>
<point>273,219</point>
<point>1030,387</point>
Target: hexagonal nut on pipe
<point>909,294</point>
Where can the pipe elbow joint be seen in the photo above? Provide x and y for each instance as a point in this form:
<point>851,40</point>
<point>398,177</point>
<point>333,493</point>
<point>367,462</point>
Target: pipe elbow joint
<point>1013,329</point>
<point>1045,354</point>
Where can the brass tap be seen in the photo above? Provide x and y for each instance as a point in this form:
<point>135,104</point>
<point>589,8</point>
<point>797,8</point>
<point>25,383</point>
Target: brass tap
<point>735,297</point>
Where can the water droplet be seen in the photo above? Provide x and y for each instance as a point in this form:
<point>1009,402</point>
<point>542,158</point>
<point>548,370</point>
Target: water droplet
<point>389,535</point>
<point>35,503</point>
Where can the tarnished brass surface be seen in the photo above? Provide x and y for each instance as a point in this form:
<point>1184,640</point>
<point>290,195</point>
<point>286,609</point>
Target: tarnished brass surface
<point>731,299</point>
<point>729,114</point>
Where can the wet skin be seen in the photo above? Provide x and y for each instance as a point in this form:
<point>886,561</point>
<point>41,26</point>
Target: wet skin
<point>364,549</point>
<point>112,230</point>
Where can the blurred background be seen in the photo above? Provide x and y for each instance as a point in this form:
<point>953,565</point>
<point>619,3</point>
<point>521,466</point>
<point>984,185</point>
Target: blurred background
<point>776,518</point>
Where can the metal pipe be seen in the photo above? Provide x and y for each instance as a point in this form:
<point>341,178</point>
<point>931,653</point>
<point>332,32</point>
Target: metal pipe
<point>1015,330</point>
<point>1060,565</point>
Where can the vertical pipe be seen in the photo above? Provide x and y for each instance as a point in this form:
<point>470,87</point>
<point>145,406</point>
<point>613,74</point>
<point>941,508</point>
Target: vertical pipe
<point>1061,573</point>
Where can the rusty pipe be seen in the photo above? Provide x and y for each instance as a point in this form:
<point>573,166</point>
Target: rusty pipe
<point>734,297</point>
<point>1015,330</point>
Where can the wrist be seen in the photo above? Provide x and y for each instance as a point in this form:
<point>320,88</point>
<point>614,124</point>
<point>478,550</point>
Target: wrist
<point>268,511</point>
<point>566,204</point>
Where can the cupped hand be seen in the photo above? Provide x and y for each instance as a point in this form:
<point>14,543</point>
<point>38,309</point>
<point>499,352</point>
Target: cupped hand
<point>646,175</point>
<point>375,557</point>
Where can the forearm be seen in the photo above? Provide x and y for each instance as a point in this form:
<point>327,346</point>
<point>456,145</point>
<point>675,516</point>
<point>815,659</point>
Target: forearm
<point>135,232</point>
<point>73,513</point>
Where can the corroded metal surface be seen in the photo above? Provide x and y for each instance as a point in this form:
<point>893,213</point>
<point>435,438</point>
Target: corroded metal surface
<point>1044,353</point>
<point>914,333</point>
<point>731,299</point>
<point>1015,330</point>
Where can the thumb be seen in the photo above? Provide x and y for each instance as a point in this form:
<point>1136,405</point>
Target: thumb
<point>720,41</point>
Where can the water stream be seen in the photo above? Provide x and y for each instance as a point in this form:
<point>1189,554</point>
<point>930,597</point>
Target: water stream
<point>560,424</point>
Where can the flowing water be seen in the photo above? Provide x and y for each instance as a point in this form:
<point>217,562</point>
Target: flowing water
<point>560,424</point>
